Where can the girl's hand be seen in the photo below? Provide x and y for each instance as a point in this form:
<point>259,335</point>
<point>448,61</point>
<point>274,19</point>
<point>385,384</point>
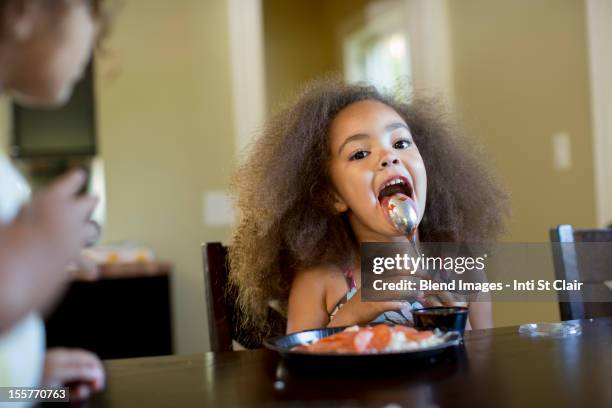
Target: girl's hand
<point>80,370</point>
<point>442,298</point>
<point>357,312</point>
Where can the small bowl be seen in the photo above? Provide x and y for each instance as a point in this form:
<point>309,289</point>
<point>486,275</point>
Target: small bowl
<point>442,318</point>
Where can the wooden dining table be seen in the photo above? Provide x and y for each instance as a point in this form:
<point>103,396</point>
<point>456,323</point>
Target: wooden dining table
<point>496,367</point>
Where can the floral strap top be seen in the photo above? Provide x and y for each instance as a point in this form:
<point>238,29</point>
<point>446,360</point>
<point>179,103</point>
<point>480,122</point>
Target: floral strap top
<point>402,316</point>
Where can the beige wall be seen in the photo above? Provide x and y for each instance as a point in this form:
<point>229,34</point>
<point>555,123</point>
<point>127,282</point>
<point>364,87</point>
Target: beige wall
<point>300,40</point>
<point>296,43</point>
<point>521,74</point>
<point>165,126</point>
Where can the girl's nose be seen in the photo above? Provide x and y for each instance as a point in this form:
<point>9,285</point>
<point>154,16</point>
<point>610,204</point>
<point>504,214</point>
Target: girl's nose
<point>389,160</point>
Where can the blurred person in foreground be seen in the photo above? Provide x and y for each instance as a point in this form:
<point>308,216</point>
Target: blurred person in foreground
<point>44,48</point>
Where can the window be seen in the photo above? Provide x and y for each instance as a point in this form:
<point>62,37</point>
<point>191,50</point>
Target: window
<point>378,52</point>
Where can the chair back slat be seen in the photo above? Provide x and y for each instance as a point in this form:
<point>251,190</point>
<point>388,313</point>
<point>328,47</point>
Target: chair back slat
<point>215,283</point>
<point>221,297</point>
<point>586,264</point>
<point>594,269</point>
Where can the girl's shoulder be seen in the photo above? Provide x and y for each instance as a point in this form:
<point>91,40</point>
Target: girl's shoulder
<point>327,281</point>
<point>309,297</point>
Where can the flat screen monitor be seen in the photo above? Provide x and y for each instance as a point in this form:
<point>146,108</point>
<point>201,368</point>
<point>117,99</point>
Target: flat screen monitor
<point>63,132</point>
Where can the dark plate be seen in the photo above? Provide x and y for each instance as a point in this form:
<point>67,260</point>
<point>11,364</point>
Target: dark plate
<point>387,360</point>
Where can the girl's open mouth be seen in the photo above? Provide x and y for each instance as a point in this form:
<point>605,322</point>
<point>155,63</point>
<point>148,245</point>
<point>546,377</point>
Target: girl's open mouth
<point>396,185</point>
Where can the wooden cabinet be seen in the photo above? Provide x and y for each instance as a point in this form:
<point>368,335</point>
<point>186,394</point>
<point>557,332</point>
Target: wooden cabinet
<point>126,313</point>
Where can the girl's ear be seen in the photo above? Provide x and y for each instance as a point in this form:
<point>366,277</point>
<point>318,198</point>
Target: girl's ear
<point>339,204</point>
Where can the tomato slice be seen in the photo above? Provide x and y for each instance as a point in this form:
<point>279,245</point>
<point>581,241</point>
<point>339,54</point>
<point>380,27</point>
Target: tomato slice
<point>366,339</point>
<point>382,337</point>
<point>419,335</point>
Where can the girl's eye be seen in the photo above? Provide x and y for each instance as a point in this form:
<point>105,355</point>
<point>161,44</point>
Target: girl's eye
<point>361,154</point>
<point>402,144</point>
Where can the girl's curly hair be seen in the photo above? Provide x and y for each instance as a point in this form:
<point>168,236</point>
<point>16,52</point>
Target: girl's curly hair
<point>284,194</point>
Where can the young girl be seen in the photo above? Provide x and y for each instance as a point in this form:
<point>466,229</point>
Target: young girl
<point>44,47</point>
<point>308,194</point>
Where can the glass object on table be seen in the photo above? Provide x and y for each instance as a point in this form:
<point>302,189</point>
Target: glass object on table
<point>558,329</point>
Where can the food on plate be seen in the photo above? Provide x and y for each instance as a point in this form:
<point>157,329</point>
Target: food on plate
<point>373,339</point>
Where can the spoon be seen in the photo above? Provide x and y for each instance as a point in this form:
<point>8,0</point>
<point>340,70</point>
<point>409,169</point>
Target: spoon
<point>404,218</point>
<point>403,215</point>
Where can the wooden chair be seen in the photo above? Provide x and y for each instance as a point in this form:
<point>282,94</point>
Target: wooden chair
<point>222,312</point>
<point>592,267</point>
